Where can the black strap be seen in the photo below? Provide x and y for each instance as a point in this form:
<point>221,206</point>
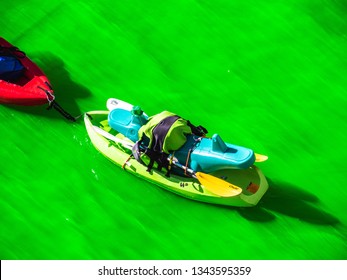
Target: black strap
<point>197,130</point>
<point>160,131</point>
<point>155,151</point>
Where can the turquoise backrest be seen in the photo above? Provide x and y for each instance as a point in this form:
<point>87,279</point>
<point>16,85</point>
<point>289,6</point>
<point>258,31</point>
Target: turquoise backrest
<point>211,154</point>
<point>126,122</point>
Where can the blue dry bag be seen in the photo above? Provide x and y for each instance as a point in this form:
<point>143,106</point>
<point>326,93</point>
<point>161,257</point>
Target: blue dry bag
<point>10,68</point>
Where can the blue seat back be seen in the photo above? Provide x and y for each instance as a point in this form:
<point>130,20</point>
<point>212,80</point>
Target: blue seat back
<point>127,123</point>
<point>10,68</point>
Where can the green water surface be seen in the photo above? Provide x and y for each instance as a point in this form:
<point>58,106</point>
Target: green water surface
<point>269,75</point>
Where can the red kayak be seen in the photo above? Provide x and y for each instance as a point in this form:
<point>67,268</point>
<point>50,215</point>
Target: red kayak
<point>27,86</point>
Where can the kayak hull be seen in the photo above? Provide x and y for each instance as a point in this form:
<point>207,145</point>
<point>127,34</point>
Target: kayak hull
<point>31,88</point>
<point>252,181</point>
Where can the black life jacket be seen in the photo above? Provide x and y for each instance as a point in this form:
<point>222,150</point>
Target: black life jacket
<point>163,134</point>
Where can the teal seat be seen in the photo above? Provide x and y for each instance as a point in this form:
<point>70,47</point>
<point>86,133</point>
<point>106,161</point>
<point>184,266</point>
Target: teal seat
<point>211,154</point>
<point>127,122</point>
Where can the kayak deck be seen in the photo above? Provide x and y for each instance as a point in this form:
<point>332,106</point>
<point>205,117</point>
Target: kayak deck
<point>251,180</point>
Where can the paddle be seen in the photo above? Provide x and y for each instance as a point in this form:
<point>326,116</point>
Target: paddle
<point>213,184</point>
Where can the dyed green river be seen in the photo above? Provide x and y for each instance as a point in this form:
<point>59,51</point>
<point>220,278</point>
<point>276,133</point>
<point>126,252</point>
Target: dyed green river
<point>268,75</point>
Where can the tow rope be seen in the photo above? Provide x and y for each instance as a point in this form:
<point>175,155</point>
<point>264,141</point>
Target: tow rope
<point>54,104</point>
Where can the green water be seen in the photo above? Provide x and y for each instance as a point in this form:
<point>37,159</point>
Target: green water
<point>269,75</point>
